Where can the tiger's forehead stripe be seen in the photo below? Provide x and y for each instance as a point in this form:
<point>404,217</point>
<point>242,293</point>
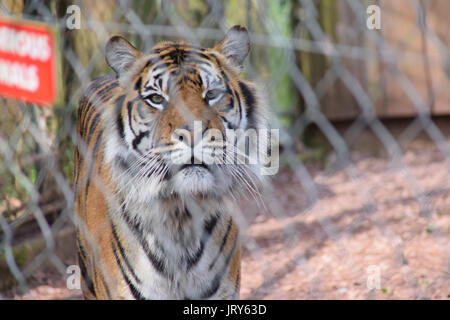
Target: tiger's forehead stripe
<point>172,66</point>
<point>177,55</point>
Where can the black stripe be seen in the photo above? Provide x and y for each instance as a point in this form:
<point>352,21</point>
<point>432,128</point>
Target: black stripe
<point>122,253</point>
<point>93,127</point>
<point>99,274</point>
<point>160,66</point>
<point>119,120</point>
<point>199,54</point>
<point>192,260</point>
<point>138,84</point>
<point>167,175</point>
<point>152,61</point>
<point>97,83</point>
<point>239,104</point>
<point>148,64</point>
<point>91,165</point>
<point>158,76</point>
<point>218,277</point>
<point>228,107</point>
<point>138,139</point>
<point>185,47</point>
<point>224,241</point>
<point>195,47</point>
<point>160,82</point>
<point>87,279</point>
<point>95,99</point>
<point>188,54</point>
<point>90,110</point>
<point>209,226</point>
<point>101,80</point>
<point>177,55</point>
<point>157,263</point>
<point>98,90</point>
<point>229,124</point>
<point>82,104</point>
<point>106,89</point>
<point>175,72</point>
<point>188,51</point>
<point>108,293</point>
<point>197,61</point>
<point>222,72</point>
<point>236,284</point>
<point>129,107</point>
<point>134,291</point>
<point>249,102</point>
<point>187,78</point>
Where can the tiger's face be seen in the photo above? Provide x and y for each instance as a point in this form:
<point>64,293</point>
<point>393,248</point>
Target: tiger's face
<point>173,121</point>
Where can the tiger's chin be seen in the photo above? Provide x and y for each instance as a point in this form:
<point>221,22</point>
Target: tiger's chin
<point>194,180</point>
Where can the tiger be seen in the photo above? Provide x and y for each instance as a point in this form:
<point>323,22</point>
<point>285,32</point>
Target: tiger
<point>150,226</point>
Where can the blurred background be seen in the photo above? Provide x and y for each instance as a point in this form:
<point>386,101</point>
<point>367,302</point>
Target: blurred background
<point>360,208</point>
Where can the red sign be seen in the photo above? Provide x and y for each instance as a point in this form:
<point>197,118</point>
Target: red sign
<point>27,61</point>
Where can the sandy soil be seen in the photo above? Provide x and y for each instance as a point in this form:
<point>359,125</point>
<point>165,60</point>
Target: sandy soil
<point>371,220</point>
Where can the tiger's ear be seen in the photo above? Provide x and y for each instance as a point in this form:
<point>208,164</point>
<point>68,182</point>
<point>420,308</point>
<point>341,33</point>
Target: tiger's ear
<point>236,45</point>
<point>120,54</point>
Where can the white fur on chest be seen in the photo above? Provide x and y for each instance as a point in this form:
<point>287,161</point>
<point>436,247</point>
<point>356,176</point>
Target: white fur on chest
<point>163,231</point>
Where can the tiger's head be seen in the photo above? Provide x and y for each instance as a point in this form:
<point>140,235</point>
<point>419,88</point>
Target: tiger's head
<point>170,128</point>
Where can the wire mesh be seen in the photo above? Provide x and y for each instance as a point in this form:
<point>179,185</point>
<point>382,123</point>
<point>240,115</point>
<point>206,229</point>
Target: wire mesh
<point>359,208</point>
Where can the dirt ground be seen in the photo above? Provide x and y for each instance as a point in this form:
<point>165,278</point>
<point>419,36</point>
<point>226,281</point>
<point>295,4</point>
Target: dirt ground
<point>376,231</point>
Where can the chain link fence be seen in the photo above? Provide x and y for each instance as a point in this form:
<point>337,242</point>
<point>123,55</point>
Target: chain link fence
<point>360,206</point>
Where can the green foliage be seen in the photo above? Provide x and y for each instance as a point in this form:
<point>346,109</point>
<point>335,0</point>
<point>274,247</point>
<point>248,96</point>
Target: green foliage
<point>317,147</point>
<point>68,162</point>
<point>22,255</point>
<point>192,11</point>
<point>234,12</point>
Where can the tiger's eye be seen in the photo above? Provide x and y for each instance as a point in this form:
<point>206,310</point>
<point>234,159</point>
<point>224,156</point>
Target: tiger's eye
<point>156,98</point>
<point>212,94</point>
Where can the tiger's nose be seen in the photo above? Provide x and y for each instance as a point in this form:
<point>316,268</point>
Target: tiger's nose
<point>183,135</point>
<point>190,135</point>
